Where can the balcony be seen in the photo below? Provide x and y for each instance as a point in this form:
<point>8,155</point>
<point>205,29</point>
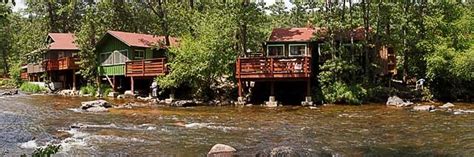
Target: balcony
<point>273,68</point>
<point>34,68</point>
<point>146,67</point>
<point>64,63</point>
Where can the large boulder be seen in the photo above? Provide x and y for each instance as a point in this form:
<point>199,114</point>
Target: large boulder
<point>221,150</point>
<point>424,108</point>
<point>96,103</point>
<point>447,105</point>
<point>398,102</point>
<point>183,103</point>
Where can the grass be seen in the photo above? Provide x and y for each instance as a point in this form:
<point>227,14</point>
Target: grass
<point>31,88</point>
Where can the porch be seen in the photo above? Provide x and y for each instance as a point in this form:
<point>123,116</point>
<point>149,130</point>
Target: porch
<point>273,68</point>
<point>64,63</point>
<point>146,67</point>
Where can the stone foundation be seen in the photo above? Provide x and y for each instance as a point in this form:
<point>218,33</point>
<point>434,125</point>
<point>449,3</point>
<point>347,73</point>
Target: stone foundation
<point>271,102</point>
<point>307,101</point>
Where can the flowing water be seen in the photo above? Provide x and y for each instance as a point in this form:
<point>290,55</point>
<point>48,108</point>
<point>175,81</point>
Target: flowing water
<point>29,121</point>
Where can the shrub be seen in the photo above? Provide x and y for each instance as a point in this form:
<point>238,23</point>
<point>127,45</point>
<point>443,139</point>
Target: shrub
<point>89,89</point>
<point>105,89</point>
<point>15,72</point>
<point>342,93</point>
<point>49,150</point>
<point>31,88</point>
<point>7,83</point>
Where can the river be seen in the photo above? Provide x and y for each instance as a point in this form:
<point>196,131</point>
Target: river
<point>30,121</point>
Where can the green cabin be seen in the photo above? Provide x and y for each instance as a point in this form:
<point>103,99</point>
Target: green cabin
<point>133,56</point>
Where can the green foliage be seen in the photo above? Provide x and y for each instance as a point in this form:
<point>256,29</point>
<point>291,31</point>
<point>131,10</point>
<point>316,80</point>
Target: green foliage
<point>7,83</point>
<point>337,85</point>
<point>105,89</point>
<point>340,92</point>
<point>31,88</point>
<point>88,89</point>
<point>15,74</point>
<point>47,151</point>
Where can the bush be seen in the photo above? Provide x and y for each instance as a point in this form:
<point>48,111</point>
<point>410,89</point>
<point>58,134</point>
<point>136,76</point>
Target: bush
<point>49,150</point>
<point>7,83</point>
<point>31,88</point>
<point>342,93</point>
<point>93,90</point>
<point>89,89</point>
<point>105,89</point>
<point>15,74</point>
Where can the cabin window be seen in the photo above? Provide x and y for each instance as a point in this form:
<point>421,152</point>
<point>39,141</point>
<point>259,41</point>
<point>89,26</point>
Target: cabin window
<point>275,50</point>
<point>139,54</point>
<point>116,57</point>
<point>297,49</point>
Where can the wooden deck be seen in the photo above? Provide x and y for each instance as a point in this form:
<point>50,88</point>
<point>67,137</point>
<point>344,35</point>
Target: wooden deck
<point>61,63</point>
<point>146,67</point>
<point>273,68</point>
<point>34,68</point>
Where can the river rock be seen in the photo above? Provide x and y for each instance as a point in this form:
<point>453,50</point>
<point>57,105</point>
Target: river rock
<point>183,103</point>
<point>459,111</point>
<point>221,150</point>
<point>423,108</point>
<point>68,92</point>
<point>11,92</point>
<point>281,151</point>
<point>398,102</point>
<point>96,103</point>
<point>447,105</point>
<point>97,109</point>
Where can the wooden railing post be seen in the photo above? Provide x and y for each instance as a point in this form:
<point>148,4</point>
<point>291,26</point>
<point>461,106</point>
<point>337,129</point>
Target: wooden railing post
<point>143,67</point>
<point>271,67</point>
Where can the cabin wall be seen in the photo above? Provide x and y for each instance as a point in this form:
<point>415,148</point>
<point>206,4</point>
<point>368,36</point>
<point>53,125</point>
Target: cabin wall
<point>112,44</point>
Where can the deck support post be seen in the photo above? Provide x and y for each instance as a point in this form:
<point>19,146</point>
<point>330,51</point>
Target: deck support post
<point>307,100</point>
<point>114,86</point>
<point>271,100</point>
<point>73,79</point>
<point>241,98</point>
<point>132,84</point>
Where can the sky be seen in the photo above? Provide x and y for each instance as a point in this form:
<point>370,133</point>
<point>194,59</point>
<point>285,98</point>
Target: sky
<point>20,4</point>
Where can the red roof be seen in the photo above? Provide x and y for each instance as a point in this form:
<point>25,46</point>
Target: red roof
<point>140,40</point>
<point>62,41</point>
<point>292,34</point>
<point>307,33</point>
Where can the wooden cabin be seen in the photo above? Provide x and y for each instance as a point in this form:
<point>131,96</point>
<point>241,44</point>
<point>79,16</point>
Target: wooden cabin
<point>293,55</point>
<point>59,61</point>
<point>131,57</point>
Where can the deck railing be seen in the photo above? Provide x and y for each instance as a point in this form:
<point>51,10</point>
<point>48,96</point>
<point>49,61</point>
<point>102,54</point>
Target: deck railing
<point>68,63</point>
<point>34,68</point>
<point>270,67</point>
<point>146,67</point>
<point>61,63</point>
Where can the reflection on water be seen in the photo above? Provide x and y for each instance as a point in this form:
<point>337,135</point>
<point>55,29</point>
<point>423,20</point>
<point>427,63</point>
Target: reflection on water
<point>367,130</point>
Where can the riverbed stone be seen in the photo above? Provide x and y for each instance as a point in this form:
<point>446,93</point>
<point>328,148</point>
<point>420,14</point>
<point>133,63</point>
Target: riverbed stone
<point>97,109</point>
<point>424,108</point>
<point>398,102</point>
<point>221,150</point>
<point>281,151</point>
<point>68,92</point>
<point>113,94</point>
<point>95,103</point>
<point>10,92</point>
<point>183,103</point>
<point>447,105</point>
